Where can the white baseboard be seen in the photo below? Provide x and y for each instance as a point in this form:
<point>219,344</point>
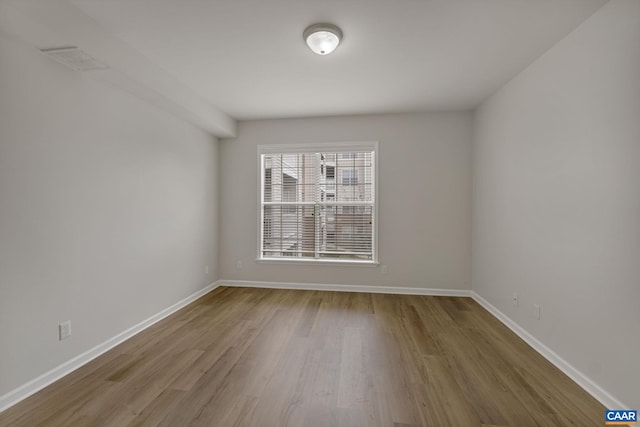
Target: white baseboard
<point>347,288</point>
<point>11,398</point>
<point>581,379</point>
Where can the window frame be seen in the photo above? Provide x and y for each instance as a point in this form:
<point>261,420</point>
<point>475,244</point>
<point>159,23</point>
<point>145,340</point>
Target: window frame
<point>326,147</point>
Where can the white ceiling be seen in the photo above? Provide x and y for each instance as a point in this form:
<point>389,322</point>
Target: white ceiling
<point>247,57</point>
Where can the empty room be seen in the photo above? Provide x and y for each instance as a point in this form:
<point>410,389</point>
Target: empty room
<point>341,213</point>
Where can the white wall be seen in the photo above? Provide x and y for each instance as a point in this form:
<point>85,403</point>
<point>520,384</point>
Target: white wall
<point>557,198</point>
<point>108,212</point>
<point>424,194</point>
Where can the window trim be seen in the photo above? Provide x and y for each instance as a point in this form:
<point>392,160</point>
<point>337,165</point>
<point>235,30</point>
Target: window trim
<point>330,147</point>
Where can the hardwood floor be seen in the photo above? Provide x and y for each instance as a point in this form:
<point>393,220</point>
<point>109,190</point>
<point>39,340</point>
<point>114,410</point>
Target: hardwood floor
<point>262,357</point>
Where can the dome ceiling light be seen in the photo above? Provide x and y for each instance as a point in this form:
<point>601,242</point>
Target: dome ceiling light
<point>322,38</point>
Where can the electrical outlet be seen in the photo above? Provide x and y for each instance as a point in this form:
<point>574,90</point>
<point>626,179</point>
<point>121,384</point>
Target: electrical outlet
<point>384,269</point>
<point>239,265</point>
<point>536,311</point>
<point>64,330</point>
<point>515,299</point>
<point>206,269</point>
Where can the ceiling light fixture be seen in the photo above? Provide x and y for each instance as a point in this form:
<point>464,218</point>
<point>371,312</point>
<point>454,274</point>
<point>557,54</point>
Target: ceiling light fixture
<point>322,38</point>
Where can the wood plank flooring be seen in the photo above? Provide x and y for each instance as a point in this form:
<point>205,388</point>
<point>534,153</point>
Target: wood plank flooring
<point>263,357</point>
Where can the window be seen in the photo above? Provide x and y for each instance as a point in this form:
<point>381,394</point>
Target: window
<point>348,209</point>
<point>350,177</point>
<point>305,216</point>
<point>331,172</point>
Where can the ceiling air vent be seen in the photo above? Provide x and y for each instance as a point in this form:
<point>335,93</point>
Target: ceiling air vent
<point>74,57</point>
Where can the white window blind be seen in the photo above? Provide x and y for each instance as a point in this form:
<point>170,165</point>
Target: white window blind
<point>318,205</point>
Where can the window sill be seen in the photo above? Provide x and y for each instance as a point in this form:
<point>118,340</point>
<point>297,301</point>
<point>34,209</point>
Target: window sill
<point>332,262</point>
